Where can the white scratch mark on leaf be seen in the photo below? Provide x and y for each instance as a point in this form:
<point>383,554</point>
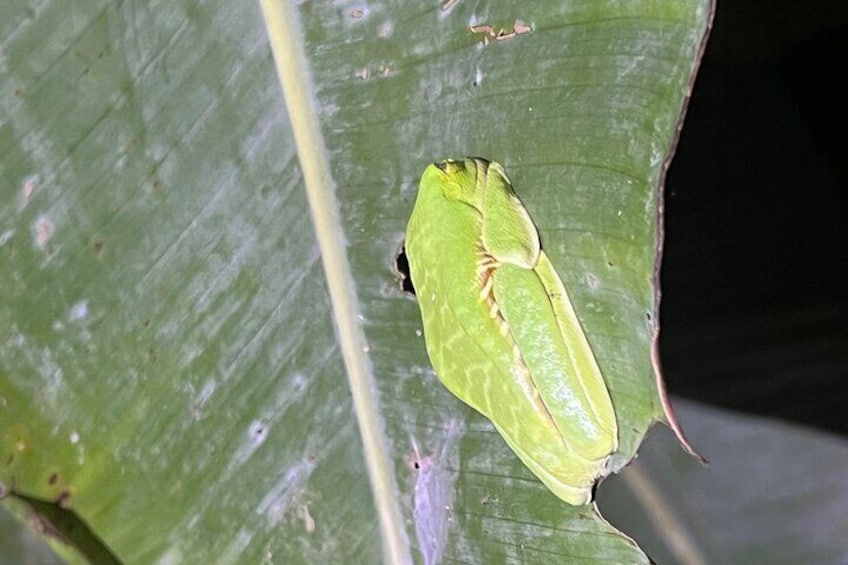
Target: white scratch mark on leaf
<point>234,552</point>
<point>277,501</point>
<point>256,434</point>
<point>433,496</point>
<point>386,29</point>
<point>171,556</point>
<point>42,360</point>
<point>78,311</point>
<point>202,398</point>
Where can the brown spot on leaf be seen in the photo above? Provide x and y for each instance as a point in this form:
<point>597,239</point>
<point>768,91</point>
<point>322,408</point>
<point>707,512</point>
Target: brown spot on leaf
<point>488,30</point>
<point>64,499</point>
<point>489,33</point>
<point>308,520</point>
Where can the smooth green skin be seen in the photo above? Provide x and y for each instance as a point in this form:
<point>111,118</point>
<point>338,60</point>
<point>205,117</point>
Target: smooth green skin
<point>516,351</point>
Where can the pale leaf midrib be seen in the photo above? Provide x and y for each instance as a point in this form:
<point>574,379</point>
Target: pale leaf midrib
<point>281,22</point>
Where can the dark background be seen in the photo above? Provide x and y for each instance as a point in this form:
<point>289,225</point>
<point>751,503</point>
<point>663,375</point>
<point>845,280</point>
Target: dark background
<point>755,280</point>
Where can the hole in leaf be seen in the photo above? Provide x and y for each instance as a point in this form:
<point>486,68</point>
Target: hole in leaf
<point>401,270</point>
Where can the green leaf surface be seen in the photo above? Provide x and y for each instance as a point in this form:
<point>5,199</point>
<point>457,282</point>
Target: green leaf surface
<point>169,365</point>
